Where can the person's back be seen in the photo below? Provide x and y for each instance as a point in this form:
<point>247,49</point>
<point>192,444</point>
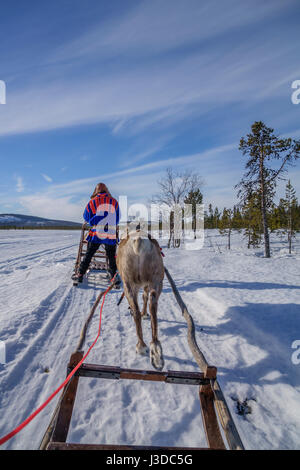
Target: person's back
<point>102,214</point>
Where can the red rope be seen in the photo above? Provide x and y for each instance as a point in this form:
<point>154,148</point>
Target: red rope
<point>40,408</point>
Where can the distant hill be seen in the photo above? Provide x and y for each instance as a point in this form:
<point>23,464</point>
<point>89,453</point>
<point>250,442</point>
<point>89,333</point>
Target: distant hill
<point>26,221</point>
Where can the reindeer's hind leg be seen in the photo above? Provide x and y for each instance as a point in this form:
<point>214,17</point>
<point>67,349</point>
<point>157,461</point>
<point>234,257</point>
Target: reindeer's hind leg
<point>145,314</point>
<point>156,354</point>
<point>141,347</point>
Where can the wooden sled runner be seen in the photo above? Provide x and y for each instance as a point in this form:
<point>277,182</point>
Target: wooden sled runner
<point>214,409</point>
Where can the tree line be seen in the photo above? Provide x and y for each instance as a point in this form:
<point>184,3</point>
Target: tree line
<point>267,160</point>
<point>283,218</point>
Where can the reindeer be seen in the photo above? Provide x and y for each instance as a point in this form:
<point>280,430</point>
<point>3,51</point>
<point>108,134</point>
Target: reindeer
<point>140,264</point>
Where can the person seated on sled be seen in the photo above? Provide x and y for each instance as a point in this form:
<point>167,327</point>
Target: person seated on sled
<point>102,214</point>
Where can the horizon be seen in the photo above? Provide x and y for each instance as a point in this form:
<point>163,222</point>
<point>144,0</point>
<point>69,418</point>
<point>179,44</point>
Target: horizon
<point>117,92</point>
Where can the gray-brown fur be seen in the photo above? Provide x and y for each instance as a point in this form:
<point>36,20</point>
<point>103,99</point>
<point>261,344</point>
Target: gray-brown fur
<point>140,265</point>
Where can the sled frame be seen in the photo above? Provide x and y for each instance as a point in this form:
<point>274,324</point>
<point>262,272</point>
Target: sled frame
<point>99,261</point>
<point>214,409</point>
<point>199,379</point>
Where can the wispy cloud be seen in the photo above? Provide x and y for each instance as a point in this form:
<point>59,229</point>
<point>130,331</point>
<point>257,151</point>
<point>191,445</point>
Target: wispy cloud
<point>151,75</point>
<point>84,185</point>
<point>47,178</point>
<point>157,27</point>
<point>67,200</point>
<point>163,87</point>
<point>20,184</point>
<point>143,149</point>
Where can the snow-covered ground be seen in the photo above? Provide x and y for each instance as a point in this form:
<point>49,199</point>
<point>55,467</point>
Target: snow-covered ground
<point>247,315</point>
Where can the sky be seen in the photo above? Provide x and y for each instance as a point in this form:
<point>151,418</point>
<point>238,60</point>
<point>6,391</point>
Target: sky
<point>118,91</point>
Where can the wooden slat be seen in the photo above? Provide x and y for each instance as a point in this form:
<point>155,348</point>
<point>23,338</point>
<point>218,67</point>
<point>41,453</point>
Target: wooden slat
<point>211,425</point>
<point>96,265</point>
<point>79,249</point>
<point>71,446</point>
<point>62,424</point>
<point>232,435</point>
<point>109,372</point>
<point>140,375</point>
<point>97,255</point>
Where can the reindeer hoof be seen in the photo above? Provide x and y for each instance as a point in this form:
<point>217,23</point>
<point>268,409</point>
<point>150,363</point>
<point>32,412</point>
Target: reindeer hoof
<point>146,316</point>
<point>142,349</point>
<point>156,356</point>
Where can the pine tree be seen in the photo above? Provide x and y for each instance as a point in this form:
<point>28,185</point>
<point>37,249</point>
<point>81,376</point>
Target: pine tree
<point>290,203</point>
<point>225,224</point>
<point>278,216</point>
<point>193,198</point>
<point>210,217</point>
<point>252,220</point>
<point>216,218</point>
<point>237,219</point>
<point>262,146</point>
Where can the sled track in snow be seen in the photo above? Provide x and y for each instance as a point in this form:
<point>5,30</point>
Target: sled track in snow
<point>35,255</point>
<point>48,328</point>
<point>44,320</point>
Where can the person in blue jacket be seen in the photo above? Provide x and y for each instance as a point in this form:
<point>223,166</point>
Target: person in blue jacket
<point>102,214</point>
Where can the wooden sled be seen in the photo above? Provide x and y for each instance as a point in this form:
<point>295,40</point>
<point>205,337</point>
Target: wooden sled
<point>198,379</point>
<point>214,409</point>
<point>99,261</point>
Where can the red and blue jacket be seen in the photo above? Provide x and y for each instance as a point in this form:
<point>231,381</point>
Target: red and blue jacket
<point>102,214</point>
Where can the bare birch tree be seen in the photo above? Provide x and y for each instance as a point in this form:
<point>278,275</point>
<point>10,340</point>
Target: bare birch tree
<point>174,189</point>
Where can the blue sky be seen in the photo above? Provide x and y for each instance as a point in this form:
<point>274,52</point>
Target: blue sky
<point>117,91</point>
